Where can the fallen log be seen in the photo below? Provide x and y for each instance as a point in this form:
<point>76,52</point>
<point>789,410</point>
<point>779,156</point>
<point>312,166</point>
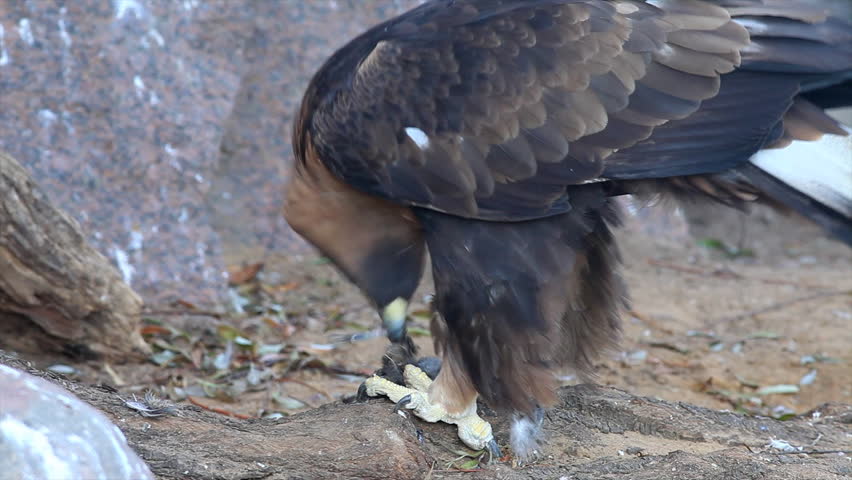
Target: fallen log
<point>594,433</point>
<point>56,291</point>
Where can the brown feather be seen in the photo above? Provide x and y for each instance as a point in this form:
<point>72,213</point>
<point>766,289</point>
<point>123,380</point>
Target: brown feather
<point>519,300</point>
<point>360,233</point>
<point>502,72</point>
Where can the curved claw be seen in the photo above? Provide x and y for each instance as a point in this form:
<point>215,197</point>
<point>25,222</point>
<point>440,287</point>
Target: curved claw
<point>431,366</point>
<point>361,396</point>
<point>493,451</point>
<point>402,403</point>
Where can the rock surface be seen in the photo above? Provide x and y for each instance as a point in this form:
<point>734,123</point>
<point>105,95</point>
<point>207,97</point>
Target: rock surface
<point>163,126</point>
<point>46,432</point>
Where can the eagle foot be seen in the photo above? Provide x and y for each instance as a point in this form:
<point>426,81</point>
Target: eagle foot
<point>396,357</point>
<point>472,429</point>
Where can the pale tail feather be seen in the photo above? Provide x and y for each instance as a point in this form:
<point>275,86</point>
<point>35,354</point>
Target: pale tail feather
<point>811,177</point>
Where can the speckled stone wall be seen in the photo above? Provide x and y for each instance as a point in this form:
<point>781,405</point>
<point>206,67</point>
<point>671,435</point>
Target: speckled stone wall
<point>163,125</point>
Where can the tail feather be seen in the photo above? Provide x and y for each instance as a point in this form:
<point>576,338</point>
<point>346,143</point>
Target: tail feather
<point>809,37</point>
<point>813,178</point>
<point>821,169</point>
<point>812,173</point>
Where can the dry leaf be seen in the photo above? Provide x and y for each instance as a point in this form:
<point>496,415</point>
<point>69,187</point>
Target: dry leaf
<point>239,275</point>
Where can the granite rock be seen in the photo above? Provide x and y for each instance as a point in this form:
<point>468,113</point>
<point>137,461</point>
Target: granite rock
<point>47,432</point>
<point>163,126</point>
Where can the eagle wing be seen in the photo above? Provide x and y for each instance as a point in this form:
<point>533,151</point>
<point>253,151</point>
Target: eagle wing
<point>503,109</point>
<point>490,109</point>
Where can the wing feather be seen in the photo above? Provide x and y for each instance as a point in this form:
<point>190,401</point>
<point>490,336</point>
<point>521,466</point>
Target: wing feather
<point>497,89</point>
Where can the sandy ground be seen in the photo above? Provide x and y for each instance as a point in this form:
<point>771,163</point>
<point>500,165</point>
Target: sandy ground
<point>706,327</point>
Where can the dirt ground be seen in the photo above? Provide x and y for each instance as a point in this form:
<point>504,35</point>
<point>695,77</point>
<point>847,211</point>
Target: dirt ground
<point>752,316</point>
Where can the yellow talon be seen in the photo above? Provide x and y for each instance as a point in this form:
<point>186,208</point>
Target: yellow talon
<point>473,430</point>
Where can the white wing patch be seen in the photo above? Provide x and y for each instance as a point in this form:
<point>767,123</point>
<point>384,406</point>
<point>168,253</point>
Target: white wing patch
<point>418,136</point>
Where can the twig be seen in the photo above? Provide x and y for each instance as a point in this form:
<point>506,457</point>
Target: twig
<point>817,439</point>
<point>310,405</point>
<point>197,313</point>
<point>814,452</point>
<point>727,273</point>
<point>678,268</point>
<point>647,320</point>
<point>308,385</point>
<point>776,306</point>
<point>220,411</point>
<point>341,370</point>
<point>429,473</point>
<point>116,379</point>
<point>667,346</point>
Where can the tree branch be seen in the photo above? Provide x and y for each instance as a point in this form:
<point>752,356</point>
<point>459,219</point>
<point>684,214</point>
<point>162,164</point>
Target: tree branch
<point>51,277</point>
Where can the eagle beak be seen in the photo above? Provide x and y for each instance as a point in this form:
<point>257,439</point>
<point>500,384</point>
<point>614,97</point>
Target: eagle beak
<point>393,318</point>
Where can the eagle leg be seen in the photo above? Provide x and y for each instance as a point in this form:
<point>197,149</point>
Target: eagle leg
<point>416,396</point>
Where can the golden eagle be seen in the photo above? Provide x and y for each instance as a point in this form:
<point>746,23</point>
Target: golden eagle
<point>494,134</point>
